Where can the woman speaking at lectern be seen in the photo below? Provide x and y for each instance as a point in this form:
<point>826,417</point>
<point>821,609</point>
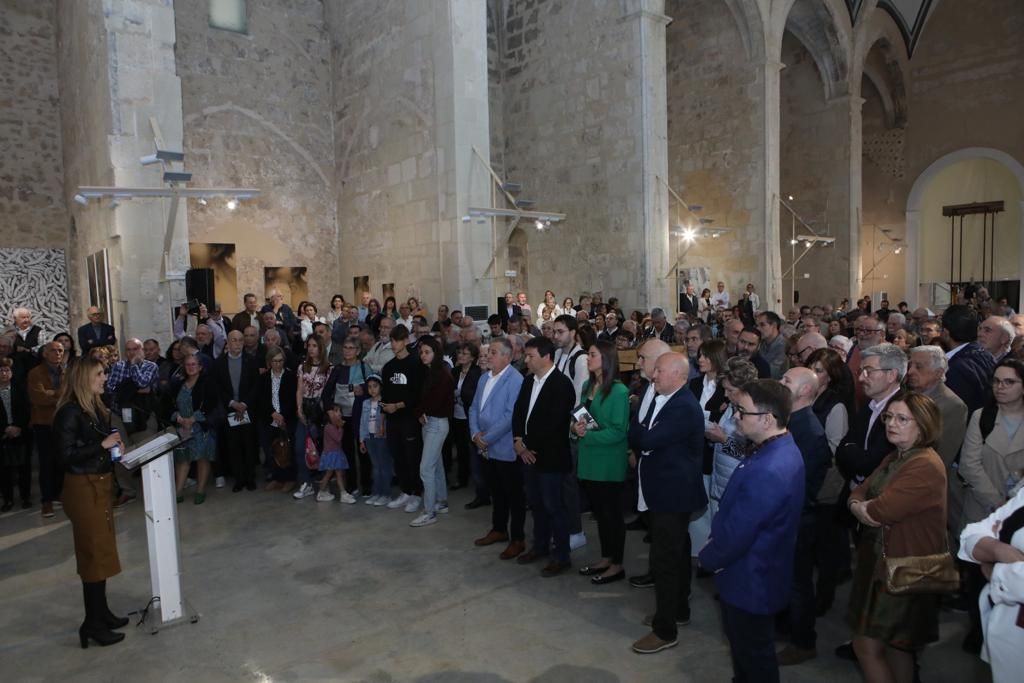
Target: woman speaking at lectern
<point>82,428</point>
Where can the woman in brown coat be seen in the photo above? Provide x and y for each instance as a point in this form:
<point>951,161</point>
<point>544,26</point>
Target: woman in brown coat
<point>82,430</point>
<point>906,495</point>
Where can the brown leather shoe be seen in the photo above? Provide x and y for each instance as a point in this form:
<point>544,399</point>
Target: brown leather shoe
<point>651,643</point>
<point>491,538</point>
<point>529,556</point>
<point>514,550</point>
<point>554,568</point>
<point>273,486</point>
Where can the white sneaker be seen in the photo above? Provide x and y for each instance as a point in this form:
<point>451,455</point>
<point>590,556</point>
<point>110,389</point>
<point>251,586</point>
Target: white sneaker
<point>190,482</point>
<point>369,500</point>
<point>219,482</point>
<point>324,497</point>
<point>424,520</point>
<point>577,540</point>
<point>413,504</point>
<point>304,491</point>
<point>441,508</point>
<point>398,502</point>
<point>381,501</point>
<point>347,497</point>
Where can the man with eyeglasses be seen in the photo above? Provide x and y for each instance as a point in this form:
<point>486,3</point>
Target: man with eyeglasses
<point>808,343</point>
<point>870,332</point>
<point>130,386</point>
<point>865,445</point>
<point>754,535</point>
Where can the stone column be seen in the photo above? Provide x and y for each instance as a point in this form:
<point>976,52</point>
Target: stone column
<point>771,295</point>
<point>649,22</point>
<point>462,124</point>
<point>856,196</point>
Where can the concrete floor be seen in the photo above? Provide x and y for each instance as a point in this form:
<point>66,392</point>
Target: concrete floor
<point>307,591</point>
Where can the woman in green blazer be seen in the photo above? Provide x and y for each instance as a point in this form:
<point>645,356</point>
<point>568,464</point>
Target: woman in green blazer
<point>603,459</point>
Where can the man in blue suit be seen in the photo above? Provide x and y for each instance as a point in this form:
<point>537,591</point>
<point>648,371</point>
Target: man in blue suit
<point>670,441</point>
<point>490,424</point>
<point>95,332</point>
<point>753,536</point>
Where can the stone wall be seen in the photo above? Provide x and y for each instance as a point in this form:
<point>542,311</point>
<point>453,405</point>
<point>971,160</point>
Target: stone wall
<point>716,141</point>
<point>572,138</point>
<point>32,208</point>
<point>258,113</point>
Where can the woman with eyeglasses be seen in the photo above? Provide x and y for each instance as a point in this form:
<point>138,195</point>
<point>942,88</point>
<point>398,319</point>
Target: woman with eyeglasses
<point>905,496</point>
<point>992,464</point>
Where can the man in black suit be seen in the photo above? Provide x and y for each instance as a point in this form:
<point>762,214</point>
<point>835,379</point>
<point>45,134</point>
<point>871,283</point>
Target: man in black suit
<point>237,381</point>
<point>747,346</point>
<point>670,440</point>
<point>511,308</point>
<point>688,302</point>
<point>250,316</point>
<point>540,431</point>
<point>611,327</point>
<point>95,332</point>
<point>970,366</point>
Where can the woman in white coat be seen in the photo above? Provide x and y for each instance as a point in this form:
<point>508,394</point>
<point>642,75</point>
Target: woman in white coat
<point>997,544</point>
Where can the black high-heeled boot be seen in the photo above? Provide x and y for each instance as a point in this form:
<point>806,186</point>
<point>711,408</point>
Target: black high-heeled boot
<point>109,618</point>
<point>94,627</point>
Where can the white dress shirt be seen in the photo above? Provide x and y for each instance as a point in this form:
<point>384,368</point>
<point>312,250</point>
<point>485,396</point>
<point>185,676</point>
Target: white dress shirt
<point>538,384</point>
<point>645,404</point>
<point>492,380</point>
<point>876,409</point>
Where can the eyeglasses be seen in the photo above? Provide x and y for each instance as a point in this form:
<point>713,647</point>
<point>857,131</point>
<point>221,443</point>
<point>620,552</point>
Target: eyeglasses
<point>996,382</point>
<point>901,420</point>
<point>741,413</point>
<point>868,371</point>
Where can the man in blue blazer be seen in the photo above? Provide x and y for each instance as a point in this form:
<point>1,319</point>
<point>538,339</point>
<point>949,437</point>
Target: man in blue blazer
<point>95,332</point>
<point>490,426</point>
<point>669,438</point>
<point>753,536</point>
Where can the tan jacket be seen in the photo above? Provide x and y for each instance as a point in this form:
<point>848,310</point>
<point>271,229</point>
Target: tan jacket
<point>43,406</point>
<point>985,466</point>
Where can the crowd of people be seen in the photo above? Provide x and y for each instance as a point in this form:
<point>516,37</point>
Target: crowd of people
<point>778,456</point>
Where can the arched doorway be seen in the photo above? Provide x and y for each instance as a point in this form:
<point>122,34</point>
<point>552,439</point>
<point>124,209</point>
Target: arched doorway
<point>964,176</point>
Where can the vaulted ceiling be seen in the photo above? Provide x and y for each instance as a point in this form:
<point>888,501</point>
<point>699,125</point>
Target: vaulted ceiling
<point>909,15</point>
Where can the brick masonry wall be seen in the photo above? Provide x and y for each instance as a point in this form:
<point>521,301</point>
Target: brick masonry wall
<point>258,113</point>
<point>32,208</point>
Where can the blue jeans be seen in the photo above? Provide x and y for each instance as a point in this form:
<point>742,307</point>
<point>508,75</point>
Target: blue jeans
<point>550,517</point>
<point>431,463</point>
<point>383,467</point>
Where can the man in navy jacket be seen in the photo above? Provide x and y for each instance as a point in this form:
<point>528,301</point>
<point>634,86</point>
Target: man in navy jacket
<point>970,366</point>
<point>670,441</point>
<point>95,332</point>
<point>753,536</point>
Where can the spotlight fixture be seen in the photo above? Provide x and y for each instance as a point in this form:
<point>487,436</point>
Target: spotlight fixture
<point>232,204</point>
<point>80,199</point>
<point>793,242</point>
<point>114,203</point>
<point>808,244</point>
<point>161,155</point>
<point>790,197</point>
<point>467,218</point>
<point>689,235</point>
<point>897,250</point>
<point>202,201</point>
<point>540,224</point>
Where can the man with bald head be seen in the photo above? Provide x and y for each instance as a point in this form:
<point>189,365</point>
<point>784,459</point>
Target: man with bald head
<point>808,343</point>
<point>44,383</point>
<point>809,435</point>
<point>669,438</point>
<point>237,379</point>
<point>95,332</point>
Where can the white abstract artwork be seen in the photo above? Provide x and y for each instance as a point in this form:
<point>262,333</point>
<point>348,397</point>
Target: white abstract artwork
<point>38,280</point>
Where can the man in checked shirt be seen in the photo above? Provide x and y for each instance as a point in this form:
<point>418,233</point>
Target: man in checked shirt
<point>130,386</point>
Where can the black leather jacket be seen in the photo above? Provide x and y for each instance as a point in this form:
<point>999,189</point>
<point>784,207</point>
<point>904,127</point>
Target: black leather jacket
<point>79,440</point>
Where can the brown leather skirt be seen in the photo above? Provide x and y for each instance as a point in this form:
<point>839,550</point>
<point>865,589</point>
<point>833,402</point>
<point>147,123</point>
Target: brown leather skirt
<point>87,500</point>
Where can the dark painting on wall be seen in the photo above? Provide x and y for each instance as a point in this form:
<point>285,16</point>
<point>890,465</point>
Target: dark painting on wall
<point>360,284</point>
<point>220,258</point>
<point>387,289</point>
<point>290,281</point>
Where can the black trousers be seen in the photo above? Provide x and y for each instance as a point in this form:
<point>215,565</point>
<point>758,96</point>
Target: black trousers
<point>802,605</point>
<point>671,566</point>
<point>405,442</point>
<point>463,449</point>
<point>242,452</point>
<point>16,464</point>
<point>360,471</point>
<point>752,645</point>
<point>606,503</point>
<point>51,465</point>
<point>508,514</point>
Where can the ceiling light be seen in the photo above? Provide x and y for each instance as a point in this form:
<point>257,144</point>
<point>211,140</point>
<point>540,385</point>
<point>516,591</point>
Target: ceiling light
<point>232,204</point>
<point>898,249</point>
<point>808,244</point>
<point>202,201</point>
<point>81,199</point>
<point>540,224</point>
<point>790,197</point>
<point>792,241</point>
<point>689,235</point>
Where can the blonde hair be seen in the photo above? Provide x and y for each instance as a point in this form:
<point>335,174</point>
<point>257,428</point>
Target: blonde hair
<point>76,387</point>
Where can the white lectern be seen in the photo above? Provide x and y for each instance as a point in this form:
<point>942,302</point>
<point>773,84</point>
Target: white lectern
<point>155,456</point>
